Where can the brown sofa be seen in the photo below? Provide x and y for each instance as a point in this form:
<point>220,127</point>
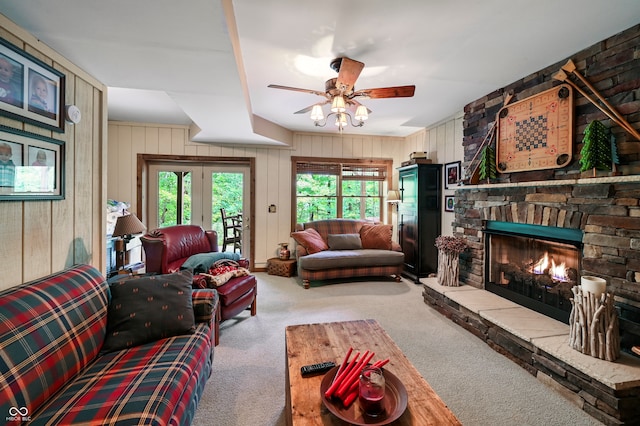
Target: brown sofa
<point>167,249</point>
<point>346,248</point>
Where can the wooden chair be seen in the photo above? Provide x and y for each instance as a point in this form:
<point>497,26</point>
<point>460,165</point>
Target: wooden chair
<point>232,231</point>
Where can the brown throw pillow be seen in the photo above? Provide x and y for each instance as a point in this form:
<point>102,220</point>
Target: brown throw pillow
<point>376,236</point>
<point>311,240</point>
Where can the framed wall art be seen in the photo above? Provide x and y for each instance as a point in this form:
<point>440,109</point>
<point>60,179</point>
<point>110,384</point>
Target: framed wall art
<point>31,166</point>
<point>449,203</point>
<point>451,175</point>
<point>30,90</point>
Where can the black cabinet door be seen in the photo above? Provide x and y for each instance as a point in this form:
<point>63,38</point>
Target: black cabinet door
<point>419,218</point>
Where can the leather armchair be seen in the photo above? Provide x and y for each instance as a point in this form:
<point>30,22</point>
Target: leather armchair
<point>166,249</point>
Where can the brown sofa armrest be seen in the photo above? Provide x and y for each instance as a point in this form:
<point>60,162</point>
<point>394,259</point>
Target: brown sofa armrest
<point>300,251</point>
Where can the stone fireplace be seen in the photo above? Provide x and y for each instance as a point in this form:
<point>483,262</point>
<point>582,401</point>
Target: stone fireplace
<point>589,219</point>
<point>580,226</point>
<point>596,220</point>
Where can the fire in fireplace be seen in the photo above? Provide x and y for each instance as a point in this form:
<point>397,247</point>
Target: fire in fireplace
<point>535,266</point>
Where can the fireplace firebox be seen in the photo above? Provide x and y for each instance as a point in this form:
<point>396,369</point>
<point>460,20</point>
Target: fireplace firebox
<point>535,266</point>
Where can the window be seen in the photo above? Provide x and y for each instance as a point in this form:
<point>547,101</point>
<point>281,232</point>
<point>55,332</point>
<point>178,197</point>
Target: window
<point>337,188</point>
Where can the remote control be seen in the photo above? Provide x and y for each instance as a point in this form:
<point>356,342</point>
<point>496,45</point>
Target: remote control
<point>315,369</point>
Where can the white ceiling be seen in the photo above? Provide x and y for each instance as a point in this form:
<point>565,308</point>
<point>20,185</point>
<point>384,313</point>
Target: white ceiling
<point>208,62</point>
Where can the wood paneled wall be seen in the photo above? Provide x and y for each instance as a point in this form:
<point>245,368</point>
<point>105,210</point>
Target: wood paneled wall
<point>42,237</point>
<point>273,165</point>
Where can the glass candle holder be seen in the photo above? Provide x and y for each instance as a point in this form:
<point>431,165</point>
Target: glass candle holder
<point>372,390</point>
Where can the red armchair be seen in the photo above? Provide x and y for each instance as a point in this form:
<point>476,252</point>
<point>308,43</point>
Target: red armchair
<point>166,249</point>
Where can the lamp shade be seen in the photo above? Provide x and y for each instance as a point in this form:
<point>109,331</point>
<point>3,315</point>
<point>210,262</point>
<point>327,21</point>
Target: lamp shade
<point>316,113</point>
<point>393,196</point>
<point>128,224</point>
<point>361,113</point>
<point>341,120</point>
<point>338,104</point>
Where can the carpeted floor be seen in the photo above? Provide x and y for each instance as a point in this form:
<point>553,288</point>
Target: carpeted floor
<point>479,385</point>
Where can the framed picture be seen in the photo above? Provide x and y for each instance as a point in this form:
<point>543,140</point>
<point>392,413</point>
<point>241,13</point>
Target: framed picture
<point>449,203</point>
<point>30,90</point>
<point>451,174</point>
<point>31,166</point>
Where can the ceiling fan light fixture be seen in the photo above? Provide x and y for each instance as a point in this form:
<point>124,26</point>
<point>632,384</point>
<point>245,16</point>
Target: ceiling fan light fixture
<point>341,120</point>
<point>316,113</point>
<point>338,104</point>
<point>361,113</point>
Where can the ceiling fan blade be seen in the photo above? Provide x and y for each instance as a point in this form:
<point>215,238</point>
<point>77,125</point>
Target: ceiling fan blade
<point>387,92</point>
<point>309,108</point>
<point>349,72</point>
<point>296,89</point>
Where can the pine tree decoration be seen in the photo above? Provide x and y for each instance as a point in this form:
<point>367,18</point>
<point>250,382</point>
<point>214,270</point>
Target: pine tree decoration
<point>614,152</point>
<point>597,151</point>
<point>487,163</point>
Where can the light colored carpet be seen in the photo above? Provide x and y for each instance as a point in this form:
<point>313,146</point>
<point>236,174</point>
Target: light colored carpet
<point>479,385</point>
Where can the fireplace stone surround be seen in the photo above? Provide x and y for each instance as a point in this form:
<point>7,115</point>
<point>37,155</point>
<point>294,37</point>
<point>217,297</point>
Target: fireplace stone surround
<point>607,211</point>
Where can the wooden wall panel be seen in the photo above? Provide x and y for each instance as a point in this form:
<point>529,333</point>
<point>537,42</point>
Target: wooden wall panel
<point>272,165</point>
<point>47,236</point>
<point>83,179</point>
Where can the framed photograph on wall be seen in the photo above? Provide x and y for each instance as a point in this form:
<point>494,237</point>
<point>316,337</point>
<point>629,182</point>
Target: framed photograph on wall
<point>31,166</point>
<point>449,203</point>
<point>451,174</point>
<point>30,90</point>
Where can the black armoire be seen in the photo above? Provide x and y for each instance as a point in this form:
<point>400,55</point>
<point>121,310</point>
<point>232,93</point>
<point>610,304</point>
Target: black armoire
<point>419,218</point>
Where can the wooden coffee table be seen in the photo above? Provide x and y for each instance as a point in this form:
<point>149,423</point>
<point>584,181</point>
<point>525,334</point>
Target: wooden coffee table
<point>314,343</point>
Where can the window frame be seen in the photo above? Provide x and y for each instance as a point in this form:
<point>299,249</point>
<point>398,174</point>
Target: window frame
<point>337,166</point>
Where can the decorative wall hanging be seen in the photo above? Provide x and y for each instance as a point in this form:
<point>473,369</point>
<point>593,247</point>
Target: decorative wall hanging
<point>449,203</point>
<point>30,90</point>
<point>31,166</point>
<point>536,133</point>
<point>451,174</point>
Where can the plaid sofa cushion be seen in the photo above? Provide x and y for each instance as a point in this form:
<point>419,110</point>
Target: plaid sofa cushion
<point>153,384</point>
<point>50,330</point>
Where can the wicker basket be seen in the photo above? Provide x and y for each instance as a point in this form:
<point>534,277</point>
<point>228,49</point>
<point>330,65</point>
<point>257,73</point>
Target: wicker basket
<point>282,268</point>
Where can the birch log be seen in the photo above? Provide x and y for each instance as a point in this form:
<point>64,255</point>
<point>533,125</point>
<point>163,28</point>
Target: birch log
<point>593,325</point>
<point>448,269</point>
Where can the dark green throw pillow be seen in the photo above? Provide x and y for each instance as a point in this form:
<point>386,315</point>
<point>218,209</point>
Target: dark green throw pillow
<point>148,308</point>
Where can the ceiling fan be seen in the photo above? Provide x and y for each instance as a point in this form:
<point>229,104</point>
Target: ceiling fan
<point>340,92</point>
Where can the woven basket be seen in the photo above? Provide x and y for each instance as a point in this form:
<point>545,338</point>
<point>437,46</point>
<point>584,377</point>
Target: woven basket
<point>281,268</point>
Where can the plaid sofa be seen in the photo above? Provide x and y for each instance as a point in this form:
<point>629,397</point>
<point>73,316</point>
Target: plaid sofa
<point>338,264</point>
<point>52,370</point>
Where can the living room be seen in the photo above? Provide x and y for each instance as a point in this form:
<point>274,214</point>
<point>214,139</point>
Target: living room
<point>102,163</point>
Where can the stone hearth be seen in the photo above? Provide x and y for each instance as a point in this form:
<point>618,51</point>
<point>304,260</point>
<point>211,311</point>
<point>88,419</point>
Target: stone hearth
<point>610,392</point>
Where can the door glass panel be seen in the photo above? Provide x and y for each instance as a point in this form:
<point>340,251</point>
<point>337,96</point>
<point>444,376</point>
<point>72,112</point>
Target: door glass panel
<point>174,198</point>
<point>226,193</point>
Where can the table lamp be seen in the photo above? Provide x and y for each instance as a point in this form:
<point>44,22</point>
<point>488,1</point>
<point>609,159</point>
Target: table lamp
<point>393,197</point>
<point>127,226</point>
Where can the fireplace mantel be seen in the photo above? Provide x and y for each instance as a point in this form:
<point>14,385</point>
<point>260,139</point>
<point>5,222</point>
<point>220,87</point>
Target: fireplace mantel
<point>581,181</point>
